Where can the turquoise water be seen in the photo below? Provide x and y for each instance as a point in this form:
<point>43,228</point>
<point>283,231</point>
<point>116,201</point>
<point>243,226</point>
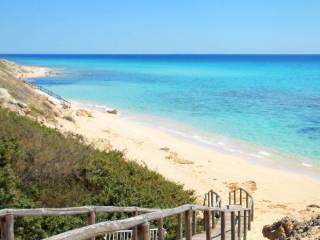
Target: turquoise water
<point>271,101</point>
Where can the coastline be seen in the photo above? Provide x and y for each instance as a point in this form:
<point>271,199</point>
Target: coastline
<point>254,154</point>
<point>277,192</point>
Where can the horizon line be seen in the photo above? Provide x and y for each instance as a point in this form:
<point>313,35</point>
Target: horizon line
<point>160,53</point>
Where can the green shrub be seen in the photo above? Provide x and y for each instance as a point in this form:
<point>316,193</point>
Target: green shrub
<point>40,167</point>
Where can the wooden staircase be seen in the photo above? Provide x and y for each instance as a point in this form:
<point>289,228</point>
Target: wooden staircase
<point>229,222</point>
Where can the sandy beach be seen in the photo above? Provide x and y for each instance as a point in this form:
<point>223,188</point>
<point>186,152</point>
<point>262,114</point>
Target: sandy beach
<point>277,193</point>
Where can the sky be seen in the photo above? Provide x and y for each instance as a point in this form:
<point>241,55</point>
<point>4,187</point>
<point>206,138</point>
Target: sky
<point>160,26</point>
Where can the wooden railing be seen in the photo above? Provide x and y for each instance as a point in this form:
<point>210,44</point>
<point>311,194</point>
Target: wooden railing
<point>242,197</point>
<point>140,224</point>
<point>212,199</point>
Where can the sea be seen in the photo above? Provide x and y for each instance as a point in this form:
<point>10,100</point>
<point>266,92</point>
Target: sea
<point>265,108</point>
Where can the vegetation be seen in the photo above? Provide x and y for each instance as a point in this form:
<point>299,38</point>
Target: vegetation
<point>40,167</point>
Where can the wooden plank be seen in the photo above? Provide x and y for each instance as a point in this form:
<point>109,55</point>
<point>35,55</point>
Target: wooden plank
<point>223,226</point>
<point>111,209</point>
<point>249,220</point>
<point>7,227</point>
<point>144,231</point>
<point>233,226</point>
<point>239,225</point>
<point>160,229</point>
<point>194,223</point>
<point>135,229</point>
<point>252,210</point>
<point>213,219</point>
<point>207,224</point>
<point>91,220</point>
<point>187,224</point>
<point>247,200</point>
<point>71,211</point>
<point>245,225</point>
<point>179,234</point>
<point>2,222</point>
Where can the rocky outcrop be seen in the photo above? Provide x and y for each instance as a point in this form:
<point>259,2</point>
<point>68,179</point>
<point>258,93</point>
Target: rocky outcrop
<point>22,98</point>
<point>7,101</point>
<point>288,228</point>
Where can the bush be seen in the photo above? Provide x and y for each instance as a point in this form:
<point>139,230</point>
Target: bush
<point>40,167</point>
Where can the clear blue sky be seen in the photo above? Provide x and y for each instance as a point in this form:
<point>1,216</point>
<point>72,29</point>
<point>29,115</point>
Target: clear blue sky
<point>160,26</point>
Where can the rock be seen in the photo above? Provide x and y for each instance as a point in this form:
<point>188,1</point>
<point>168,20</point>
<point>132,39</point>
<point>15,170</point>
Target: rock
<point>313,206</point>
<point>5,95</point>
<point>288,228</point>
<point>21,105</point>
<point>113,111</point>
<point>275,231</point>
<point>83,113</point>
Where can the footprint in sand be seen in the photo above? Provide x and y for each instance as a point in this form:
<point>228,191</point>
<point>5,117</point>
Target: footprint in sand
<point>250,185</point>
<point>166,149</point>
<point>173,156</point>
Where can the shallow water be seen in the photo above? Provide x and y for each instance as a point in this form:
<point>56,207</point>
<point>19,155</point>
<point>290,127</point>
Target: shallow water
<point>272,101</point>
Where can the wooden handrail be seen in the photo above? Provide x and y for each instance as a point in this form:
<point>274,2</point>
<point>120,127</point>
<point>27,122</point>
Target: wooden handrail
<point>212,199</point>
<point>243,193</point>
<point>71,211</point>
<point>102,228</point>
<point>187,211</point>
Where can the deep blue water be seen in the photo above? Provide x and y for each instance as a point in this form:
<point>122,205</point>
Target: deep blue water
<point>271,101</point>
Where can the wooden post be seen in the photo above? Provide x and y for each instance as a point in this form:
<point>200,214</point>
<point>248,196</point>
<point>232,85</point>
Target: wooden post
<point>247,200</point>
<point>229,198</point>
<point>207,224</point>
<point>252,210</point>
<point>239,225</point>
<point>135,229</point>
<point>2,228</point>
<point>213,219</point>
<point>91,220</point>
<point>144,231</point>
<point>233,226</point>
<point>249,220</point>
<point>160,229</point>
<point>205,200</point>
<point>223,225</point>
<point>245,225</point>
<point>234,197</point>
<point>194,223</point>
<point>7,227</point>
<point>188,225</point>
<point>240,196</point>
<point>179,228</point>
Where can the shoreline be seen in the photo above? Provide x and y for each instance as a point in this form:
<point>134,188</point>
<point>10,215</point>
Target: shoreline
<point>277,192</point>
<point>254,154</point>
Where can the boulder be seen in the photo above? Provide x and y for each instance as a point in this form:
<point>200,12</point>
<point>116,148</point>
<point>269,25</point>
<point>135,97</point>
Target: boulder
<point>112,111</point>
<point>288,228</point>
